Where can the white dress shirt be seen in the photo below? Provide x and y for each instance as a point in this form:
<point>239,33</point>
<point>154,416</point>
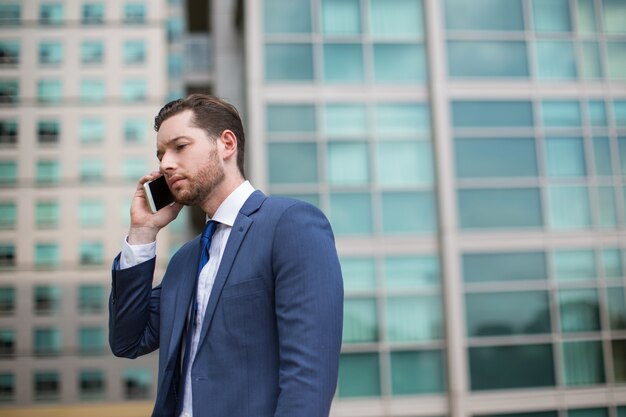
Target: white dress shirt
<point>225,216</point>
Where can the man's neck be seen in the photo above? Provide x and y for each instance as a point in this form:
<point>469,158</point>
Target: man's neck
<point>220,194</point>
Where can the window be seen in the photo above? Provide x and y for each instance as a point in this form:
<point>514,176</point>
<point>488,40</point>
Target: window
<point>134,90</point>
<point>396,18</point>
<point>287,17</point>
<point>48,172</point>
<point>91,213</point>
<point>358,273</point>
<point>92,91</point>
<point>8,215</point>
<point>175,28</point>
<point>556,60</point>
<point>417,372</point>
<point>9,53</point>
<point>551,15</point>
<point>135,130</point>
<point>500,208</point>
<point>489,314</point>
<point>92,384</point>
<point>583,363</point>
<point>9,91</point>
<point>47,341</point>
<point>133,169</point>
<point>134,52</point>
<point>348,163</point>
<point>495,157</point>
<point>51,14</point>
<point>7,298</point>
<point>91,340</point>
<point>345,120</point>
<point>399,63</point>
<point>91,253</point>
<point>507,367</point>
<point>49,91</point>
<point>616,54</point>
<point>565,157</point>
<point>351,213</point>
<point>569,207</point>
<point>477,59</point>
<point>360,321</point>
<point>292,163</point>
<point>47,255</point>
<point>470,15</point>
<point>10,14</point>
<point>343,63</point>
<point>579,310</point>
<point>8,132</point>
<point>591,67</point>
<point>424,313</point>
<point>411,272</point>
<point>91,170</point>
<point>47,386</point>
<point>288,62</point>
<point>282,118</point>
<point>136,383</point>
<point>7,342</point>
<point>7,387</point>
<point>92,52</point>
<point>90,298</point>
<point>408,212</point>
<point>93,14</point>
<point>341,17</point>
<point>91,130</point>
<point>47,214</point>
<point>359,375</point>
<point>7,254</point>
<point>47,299</point>
<point>401,119</point>
<point>403,163</point>
<point>48,131</point>
<point>8,173</point>
<point>504,267</point>
<point>492,114</point>
<point>134,13</point>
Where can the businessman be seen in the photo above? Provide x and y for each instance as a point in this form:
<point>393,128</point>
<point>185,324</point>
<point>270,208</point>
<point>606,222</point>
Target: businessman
<point>248,315</point>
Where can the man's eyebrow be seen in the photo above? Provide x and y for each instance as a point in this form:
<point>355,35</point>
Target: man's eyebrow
<point>159,153</point>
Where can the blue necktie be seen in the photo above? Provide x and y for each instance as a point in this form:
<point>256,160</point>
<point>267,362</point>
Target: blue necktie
<point>205,245</point>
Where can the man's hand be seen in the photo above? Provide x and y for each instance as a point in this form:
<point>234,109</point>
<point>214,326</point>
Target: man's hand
<point>144,225</point>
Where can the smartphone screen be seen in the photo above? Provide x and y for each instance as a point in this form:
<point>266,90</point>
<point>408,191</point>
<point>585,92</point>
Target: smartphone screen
<point>158,194</point>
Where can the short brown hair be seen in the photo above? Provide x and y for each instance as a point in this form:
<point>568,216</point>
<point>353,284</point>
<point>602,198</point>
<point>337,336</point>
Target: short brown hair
<point>211,114</point>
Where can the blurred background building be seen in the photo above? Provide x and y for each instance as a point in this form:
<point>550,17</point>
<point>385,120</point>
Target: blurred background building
<point>470,154</point>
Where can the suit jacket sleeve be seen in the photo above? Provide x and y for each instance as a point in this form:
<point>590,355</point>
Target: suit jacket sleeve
<point>134,310</point>
<point>309,310</point>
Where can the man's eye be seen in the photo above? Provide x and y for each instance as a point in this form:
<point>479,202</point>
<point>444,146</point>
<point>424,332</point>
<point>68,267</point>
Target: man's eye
<point>181,146</point>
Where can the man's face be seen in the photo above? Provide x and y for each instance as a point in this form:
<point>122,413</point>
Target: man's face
<point>189,159</point>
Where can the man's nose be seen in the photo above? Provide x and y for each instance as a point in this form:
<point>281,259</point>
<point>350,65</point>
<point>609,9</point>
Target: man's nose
<point>167,163</point>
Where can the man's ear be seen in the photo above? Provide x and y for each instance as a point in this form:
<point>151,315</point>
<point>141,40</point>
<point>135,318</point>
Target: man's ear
<point>229,143</point>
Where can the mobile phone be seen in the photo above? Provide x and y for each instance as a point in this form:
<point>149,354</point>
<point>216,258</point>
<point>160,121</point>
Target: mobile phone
<point>158,194</point>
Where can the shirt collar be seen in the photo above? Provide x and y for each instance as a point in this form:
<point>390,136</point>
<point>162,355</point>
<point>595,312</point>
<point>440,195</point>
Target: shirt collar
<point>227,212</point>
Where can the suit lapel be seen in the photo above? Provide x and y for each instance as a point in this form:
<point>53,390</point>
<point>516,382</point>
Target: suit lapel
<point>237,234</point>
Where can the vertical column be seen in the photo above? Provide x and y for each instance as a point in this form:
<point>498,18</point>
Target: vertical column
<point>446,202</point>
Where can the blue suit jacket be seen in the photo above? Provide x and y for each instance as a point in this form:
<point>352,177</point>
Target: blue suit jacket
<point>270,340</point>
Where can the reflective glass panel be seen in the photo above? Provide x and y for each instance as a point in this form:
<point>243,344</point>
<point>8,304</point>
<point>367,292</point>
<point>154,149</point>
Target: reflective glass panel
<point>133,169</point>
<point>612,264</point>
<point>408,212</point>
<point>8,214</point>
<point>93,13</point>
<point>616,62</point>
<point>551,15</point>
<point>360,323</point>
<point>348,163</point>
<point>495,157</point>
<point>401,119</point>
<point>91,213</point>
<point>50,53</point>
<point>417,318</point>
<point>579,310</point>
<point>51,13</point>
<point>47,385</point>
<point>619,364</point>
<point>561,113</point>
<point>507,266</point>
<point>411,272</point>
<point>399,63</point>
<point>505,367</point>
<point>583,363</point>
<point>359,375</point>
<point>492,114</point>
<point>91,169</point>
<point>288,62</point>
<point>47,341</point>
<point>399,18</point>
<point>291,163</point>
<point>48,172</point>
<point>92,91</point>
<point>343,63</point>
<point>46,214</point>
<point>616,305</point>
<point>8,172</point>
<point>91,253</point>
<point>137,382</point>
<point>358,273</point>
<point>568,207</point>
<point>490,314</point>
<point>588,412</point>
<point>91,130</point>
<point>351,213</point>
<point>134,90</point>
<point>91,52</point>
<point>134,13</point>
<point>293,16</point>
<point>90,340</point>
<point>556,60</point>
<point>597,113</point>
<point>345,120</point>
<point>91,298</point>
<point>565,157</point>
<point>619,110</point>
<point>134,52</point>
<point>500,208</point>
<point>341,17</point>
<point>92,384</point>
<point>404,163</point>
<point>607,210</point>
<point>417,372</point>
<point>283,118</point>
<point>49,91</point>
<point>471,15</point>
<point>586,16</point>
<point>487,59</point>
<point>614,16</point>
<point>592,61</point>
<point>135,130</point>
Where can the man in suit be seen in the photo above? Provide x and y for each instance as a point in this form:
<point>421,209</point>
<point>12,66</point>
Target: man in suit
<point>254,332</point>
